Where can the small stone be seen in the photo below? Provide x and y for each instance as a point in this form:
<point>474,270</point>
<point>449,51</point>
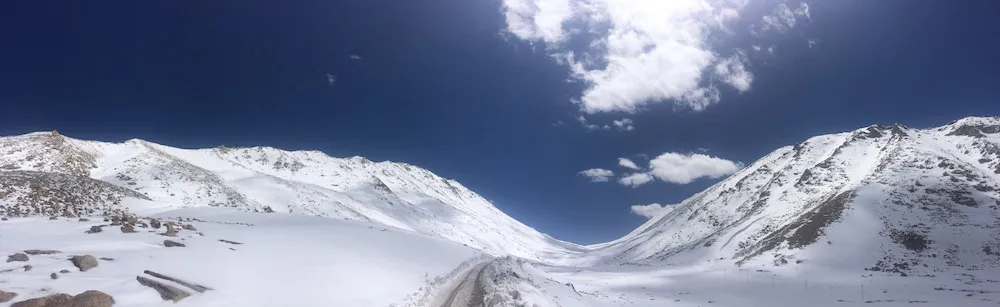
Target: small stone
<point>107,259</point>
<point>40,252</point>
<point>84,262</point>
<point>17,257</point>
<point>53,218</point>
<point>3,218</point>
<point>84,220</point>
<point>155,223</point>
<point>92,298</point>
<point>127,228</point>
<point>64,271</point>
<point>95,229</point>
<point>55,300</point>
<point>169,243</point>
<point>54,276</point>
<point>190,227</point>
<point>27,267</point>
<point>6,296</point>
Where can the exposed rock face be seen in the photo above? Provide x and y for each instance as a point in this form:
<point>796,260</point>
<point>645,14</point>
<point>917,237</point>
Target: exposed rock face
<point>171,232</point>
<point>192,286</point>
<point>84,262</point>
<point>167,292</point>
<point>17,257</point>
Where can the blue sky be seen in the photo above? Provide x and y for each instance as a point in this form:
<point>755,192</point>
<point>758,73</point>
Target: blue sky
<point>485,92</point>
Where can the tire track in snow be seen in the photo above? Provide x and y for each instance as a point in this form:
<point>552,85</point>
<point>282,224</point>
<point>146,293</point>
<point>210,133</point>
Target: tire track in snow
<point>468,292</point>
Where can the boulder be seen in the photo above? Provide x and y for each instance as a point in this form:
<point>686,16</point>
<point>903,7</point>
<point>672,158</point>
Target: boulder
<point>95,229</point>
<point>17,257</point>
<point>84,220</point>
<point>169,243</point>
<point>190,227</point>
<point>64,271</point>
<point>54,276</point>
<point>92,298</point>
<point>6,296</point>
<point>155,223</point>
<point>128,228</point>
<point>28,267</point>
<point>53,218</point>
<point>131,219</point>
<point>55,300</point>
<point>84,262</point>
<point>3,218</point>
<point>167,292</point>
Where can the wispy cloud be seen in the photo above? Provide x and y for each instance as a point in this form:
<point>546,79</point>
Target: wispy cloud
<point>635,180</point>
<point>589,126</point>
<point>331,79</point>
<point>356,57</point>
<point>624,124</point>
<point>597,174</point>
<point>628,163</point>
<point>651,210</point>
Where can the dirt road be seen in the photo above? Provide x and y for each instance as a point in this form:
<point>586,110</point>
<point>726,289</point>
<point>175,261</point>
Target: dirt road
<point>468,292</point>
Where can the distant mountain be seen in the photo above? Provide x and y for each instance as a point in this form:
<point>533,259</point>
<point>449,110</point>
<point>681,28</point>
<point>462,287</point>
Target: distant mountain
<point>882,198</point>
<point>48,173</point>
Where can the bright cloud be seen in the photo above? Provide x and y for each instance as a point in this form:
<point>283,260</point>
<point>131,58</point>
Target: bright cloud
<point>627,163</point>
<point>651,210</point>
<point>684,168</point>
<point>586,124</point>
<point>356,57</point>
<point>624,124</point>
<point>643,52</point>
<point>598,174</point>
<point>635,180</point>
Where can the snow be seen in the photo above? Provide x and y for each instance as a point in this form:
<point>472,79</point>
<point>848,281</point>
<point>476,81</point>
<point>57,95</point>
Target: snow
<point>285,260</point>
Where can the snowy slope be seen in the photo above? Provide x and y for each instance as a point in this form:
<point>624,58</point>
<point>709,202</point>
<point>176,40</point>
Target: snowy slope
<point>881,198</point>
<point>263,179</point>
<point>280,260</point>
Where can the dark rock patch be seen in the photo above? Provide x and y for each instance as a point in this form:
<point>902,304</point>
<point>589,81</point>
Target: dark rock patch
<point>27,267</point>
<point>167,292</point>
<point>128,228</point>
<point>910,239</point>
<point>169,243</point>
<point>83,220</point>
<point>195,287</point>
<point>95,229</point>
<point>107,259</point>
<point>155,223</point>
<point>54,276</point>
<point>92,298</point>
<point>190,227</point>
<point>64,271</point>
<point>230,242</point>
<point>84,262</point>
<point>41,252</point>
<point>21,257</point>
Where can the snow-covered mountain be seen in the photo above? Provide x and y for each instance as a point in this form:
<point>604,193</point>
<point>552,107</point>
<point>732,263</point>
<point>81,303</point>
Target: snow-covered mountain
<point>881,198</point>
<point>48,173</point>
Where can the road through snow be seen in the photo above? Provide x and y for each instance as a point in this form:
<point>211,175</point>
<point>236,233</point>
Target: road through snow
<point>468,292</point>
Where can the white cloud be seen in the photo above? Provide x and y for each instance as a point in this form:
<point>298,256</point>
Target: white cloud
<point>812,42</point>
<point>624,124</point>
<point>627,163</point>
<point>331,79</point>
<point>583,121</point>
<point>356,57</point>
<point>732,71</point>
<point>684,168</point>
<point>635,180</point>
<point>598,174</point>
<point>652,210</point>
<point>642,52</point>
<point>784,18</point>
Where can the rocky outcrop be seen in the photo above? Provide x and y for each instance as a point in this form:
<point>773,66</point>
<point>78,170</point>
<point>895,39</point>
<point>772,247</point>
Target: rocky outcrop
<point>41,252</point>
<point>90,298</point>
<point>55,300</point>
<point>93,298</point>
<point>6,296</point>
<point>192,286</point>
<point>169,243</point>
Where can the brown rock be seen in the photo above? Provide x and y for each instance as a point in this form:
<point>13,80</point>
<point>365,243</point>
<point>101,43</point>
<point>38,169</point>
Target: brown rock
<point>55,300</point>
<point>171,232</point>
<point>92,298</point>
<point>95,229</point>
<point>166,292</point>
<point>190,227</point>
<point>84,262</point>
<point>128,228</point>
<point>6,296</point>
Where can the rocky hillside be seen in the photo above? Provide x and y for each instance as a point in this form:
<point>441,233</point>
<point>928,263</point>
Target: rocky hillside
<point>45,173</point>
<point>881,198</point>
